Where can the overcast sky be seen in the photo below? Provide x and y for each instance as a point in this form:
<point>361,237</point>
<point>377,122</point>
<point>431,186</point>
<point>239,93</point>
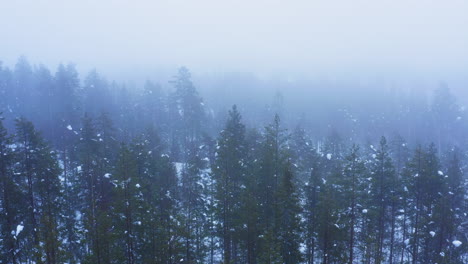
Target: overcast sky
<point>264,37</point>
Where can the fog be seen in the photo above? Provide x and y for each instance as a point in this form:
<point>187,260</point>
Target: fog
<point>240,132</point>
<point>295,39</point>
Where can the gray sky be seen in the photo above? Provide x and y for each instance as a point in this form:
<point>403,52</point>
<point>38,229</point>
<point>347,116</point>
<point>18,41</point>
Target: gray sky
<point>423,37</point>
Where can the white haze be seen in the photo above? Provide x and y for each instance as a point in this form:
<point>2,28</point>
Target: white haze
<point>125,40</point>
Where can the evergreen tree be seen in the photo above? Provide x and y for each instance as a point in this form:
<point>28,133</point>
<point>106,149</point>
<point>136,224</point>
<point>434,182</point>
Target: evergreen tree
<point>94,94</point>
<point>187,112</point>
<point>95,172</point>
<point>425,188</point>
<point>192,206</point>
<point>312,191</point>
<point>40,170</point>
<point>10,200</point>
<point>351,187</point>
<point>273,159</point>
<point>23,88</point>
<point>383,198</point>
<point>289,229</point>
<point>229,174</point>
<point>126,204</point>
<point>66,101</point>
<point>250,200</point>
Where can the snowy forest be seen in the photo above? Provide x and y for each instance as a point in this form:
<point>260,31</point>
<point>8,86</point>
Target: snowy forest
<point>94,171</point>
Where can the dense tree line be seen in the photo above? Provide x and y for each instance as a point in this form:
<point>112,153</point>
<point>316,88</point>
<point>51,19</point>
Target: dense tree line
<point>93,172</point>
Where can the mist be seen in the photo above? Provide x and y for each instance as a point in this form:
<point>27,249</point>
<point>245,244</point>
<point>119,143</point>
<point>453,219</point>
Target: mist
<point>237,132</point>
<point>296,39</point>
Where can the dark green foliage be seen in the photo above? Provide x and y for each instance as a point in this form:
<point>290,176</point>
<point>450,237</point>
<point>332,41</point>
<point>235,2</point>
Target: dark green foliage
<point>229,172</point>
<point>289,227</point>
<point>39,170</point>
<point>150,176</point>
<point>10,206</point>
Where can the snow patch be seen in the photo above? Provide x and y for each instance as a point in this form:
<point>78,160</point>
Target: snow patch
<point>69,127</point>
<point>457,243</point>
<point>20,228</point>
<point>179,168</point>
<point>329,156</point>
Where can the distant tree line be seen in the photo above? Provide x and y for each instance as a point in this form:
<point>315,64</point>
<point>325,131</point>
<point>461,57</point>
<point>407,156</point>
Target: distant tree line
<point>92,172</point>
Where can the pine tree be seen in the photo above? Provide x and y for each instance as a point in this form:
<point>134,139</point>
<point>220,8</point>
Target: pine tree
<point>162,197</point>
<point>425,188</point>
<point>312,191</point>
<point>273,158</point>
<point>126,205</point>
<point>187,112</point>
<point>447,213</point>
<point>383,200</point>
<point>353,173</point>
<point>192,206</point>
<point>10,199</point>
<point>43,114</point>
<point>229,174</point>
<point>94,94</point>
<point>444,112</point>
<point>303,155</point>
<point>95,182</point>
<point>23,83</point>
<point>289,228</point>
<point>432,189</point>
<point>250,200</point>
<point>330,236</point>
<point>39,168</point>
<point>154,105</point>
<point>65,102</point>
<point>167,236</point>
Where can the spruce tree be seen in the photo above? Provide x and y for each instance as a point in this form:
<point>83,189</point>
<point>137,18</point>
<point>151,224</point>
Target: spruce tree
<point>229,175</point>
<point>39,169</point>
<point>289,228</point>
<point>94,181</point>
<point>383,200</point>
<point>11,198</point>
<point>351,187</point>
<point>186,113</point>
<point>272,161</point>
<point>126,204</point>
<point>312,191</point>
<point>192,206</point>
